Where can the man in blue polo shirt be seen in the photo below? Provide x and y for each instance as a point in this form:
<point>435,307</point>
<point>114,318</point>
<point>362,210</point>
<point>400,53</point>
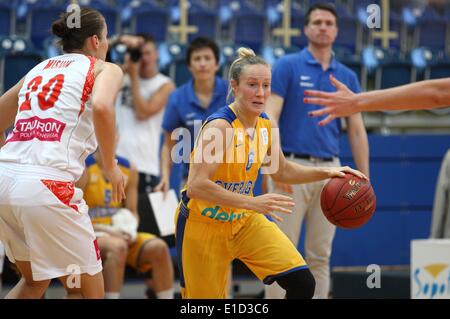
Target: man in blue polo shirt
<point>304,141</point>
<point>190,104</point>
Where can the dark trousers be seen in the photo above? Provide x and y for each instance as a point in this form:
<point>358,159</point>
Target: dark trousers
<point>146,215</point>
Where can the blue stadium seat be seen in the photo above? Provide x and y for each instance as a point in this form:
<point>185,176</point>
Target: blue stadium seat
<point>347,35</point>
<point>110,13</point>
<point>352,61</point>
<point>7,17</point>
<point>150,17</point>
<point>395,25</point>
<point>431,30</point>
<point>274,19</point>
<point>248,26</point>
<point>439,66</point>
<point>178,69</point>
<point>40,16</point>
<point>272,53</point>
<point>205,18</point>
<point>394,70</point>
<point>18,57</point>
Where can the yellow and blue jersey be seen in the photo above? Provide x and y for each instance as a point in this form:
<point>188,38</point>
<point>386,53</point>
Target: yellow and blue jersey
<point>98,191</point>
<point>239,168</point>
<point>209,237</point>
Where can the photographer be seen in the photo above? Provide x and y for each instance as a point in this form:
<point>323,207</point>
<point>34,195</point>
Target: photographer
<point>139,108</point>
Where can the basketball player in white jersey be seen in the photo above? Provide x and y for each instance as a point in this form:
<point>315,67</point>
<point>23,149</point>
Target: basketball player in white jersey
<point>60,109</point>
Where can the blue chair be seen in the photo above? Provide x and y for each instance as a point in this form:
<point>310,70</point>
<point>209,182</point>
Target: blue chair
<point>178,69</point>
<point>393,70</point>
<point>431,30</point>
<point>272,53</point>
<point>18,57</point>
<point>347,35</point>
<point>110,13</point>
<point>7,18</point>
<point>204,18</point>
<point>353,62</point>
<point>274,19</point>
<point>150,17</point>
<point>248,26</point>
<point>438,68</point>
<point>40,16</point>
<point>396,25</point>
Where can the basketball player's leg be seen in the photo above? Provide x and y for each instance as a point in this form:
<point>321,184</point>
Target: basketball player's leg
<point>291,226</point>
<point>60,236</point>
<point>153,252</point>
<point>114,252</point>
<point>83,286</point>
<point>318,241</point>
<point>203,258</point>
<point>27,288</point>
<point>267,251</point>
<point>18,252</point>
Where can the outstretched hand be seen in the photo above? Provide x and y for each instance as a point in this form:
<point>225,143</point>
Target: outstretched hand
<point>335,104</point>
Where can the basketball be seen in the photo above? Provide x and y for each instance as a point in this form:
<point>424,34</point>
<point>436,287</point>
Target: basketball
<point>348,202</point>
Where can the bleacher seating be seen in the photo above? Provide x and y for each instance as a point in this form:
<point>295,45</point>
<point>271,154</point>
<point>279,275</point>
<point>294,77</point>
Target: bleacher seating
<point>248,26</point>
<point>17,57</point>
<point>7,17</point>
<point>205,19</point>
<point>40,15</point>
<point>150,17</point>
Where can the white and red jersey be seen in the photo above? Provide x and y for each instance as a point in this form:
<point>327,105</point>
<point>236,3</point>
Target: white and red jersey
<point>54,126</point>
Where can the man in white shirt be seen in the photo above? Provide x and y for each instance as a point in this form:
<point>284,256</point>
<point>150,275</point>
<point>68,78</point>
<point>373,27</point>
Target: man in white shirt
<point>139,108</point>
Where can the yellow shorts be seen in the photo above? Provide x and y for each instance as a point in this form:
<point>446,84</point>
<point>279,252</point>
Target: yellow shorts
<point>206,248</point>
<point>134,252</point>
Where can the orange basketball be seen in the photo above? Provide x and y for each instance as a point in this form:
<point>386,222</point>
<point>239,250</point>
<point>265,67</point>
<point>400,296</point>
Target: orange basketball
<point>348,202</point>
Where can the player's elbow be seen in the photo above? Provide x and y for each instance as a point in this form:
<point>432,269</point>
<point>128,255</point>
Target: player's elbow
<point>101,107</point>
<point>193,189</point>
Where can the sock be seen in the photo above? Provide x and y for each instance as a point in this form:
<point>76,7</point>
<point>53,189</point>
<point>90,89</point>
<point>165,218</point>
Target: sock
<point>112,295</point>
<point>165,294</point>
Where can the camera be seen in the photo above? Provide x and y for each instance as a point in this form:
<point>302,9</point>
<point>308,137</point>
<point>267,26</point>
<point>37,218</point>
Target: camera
<point>135,54</point>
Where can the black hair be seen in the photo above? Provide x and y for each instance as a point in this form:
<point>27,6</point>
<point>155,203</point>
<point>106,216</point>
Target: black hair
<point>202,43</point>
<point>321,6</point>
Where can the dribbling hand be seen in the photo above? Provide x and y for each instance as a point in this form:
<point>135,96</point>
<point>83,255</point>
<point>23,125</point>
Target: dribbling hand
<point>340,172</point>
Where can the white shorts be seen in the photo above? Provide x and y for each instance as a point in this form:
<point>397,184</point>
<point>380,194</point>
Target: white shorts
<point>46,222</point>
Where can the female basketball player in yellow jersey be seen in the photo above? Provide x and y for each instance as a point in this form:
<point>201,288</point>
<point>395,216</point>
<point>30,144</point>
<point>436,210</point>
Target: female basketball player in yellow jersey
<point>218,219</point>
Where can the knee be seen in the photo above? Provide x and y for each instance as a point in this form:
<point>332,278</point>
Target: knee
<point>299,284</point>
<point>156,252</point>
<point>118,252</point>
<point>38,286</point>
